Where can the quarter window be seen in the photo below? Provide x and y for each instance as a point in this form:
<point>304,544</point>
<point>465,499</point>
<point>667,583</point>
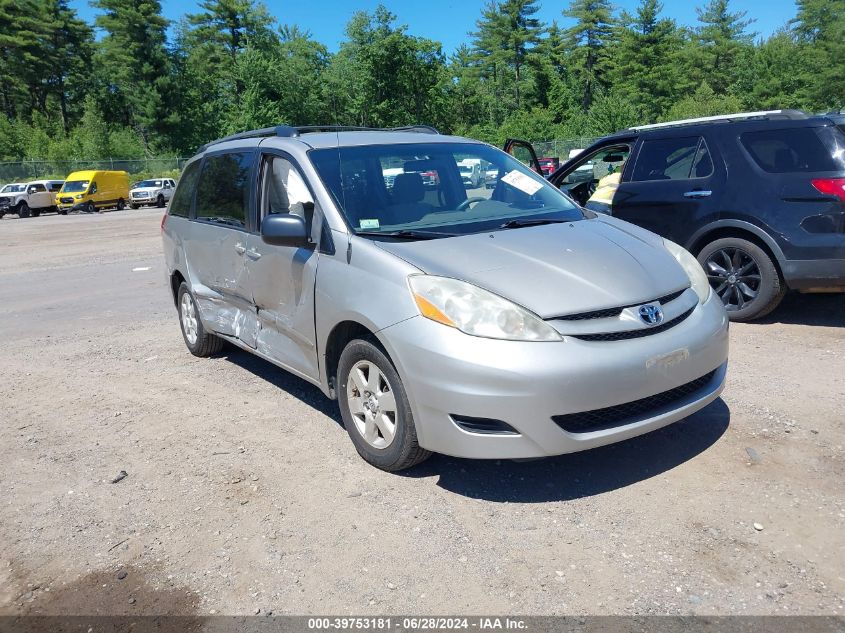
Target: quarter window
<point>673,159</point>
<point>782,151</point>
<point>223,189</point>
<point>180,205</point>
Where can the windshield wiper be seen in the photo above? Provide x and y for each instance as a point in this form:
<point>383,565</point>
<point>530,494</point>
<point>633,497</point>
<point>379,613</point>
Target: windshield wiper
<point>408,234</point>
<point>515,224</point>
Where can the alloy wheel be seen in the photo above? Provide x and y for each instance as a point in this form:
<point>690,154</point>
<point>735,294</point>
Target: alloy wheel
<point>372,404</point>
<point>189,318</point>
<point>735,277</point>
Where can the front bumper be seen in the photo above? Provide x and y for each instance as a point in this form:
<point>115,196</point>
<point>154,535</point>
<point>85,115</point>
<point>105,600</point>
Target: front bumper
<point>525,384</point>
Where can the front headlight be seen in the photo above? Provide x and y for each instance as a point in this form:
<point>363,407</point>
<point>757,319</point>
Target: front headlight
<point>696,274</point>
<point>475,311</point>
<point>79,196</point>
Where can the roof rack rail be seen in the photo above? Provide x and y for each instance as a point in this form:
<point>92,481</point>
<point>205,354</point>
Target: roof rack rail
<point>291,131</point>
<point>739,116</point>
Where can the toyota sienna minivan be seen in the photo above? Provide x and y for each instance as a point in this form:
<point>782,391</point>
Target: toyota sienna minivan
<point>487,323</point>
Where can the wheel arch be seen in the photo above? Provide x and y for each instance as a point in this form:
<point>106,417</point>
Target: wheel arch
<point>739,229</point>
<point>176,279</point>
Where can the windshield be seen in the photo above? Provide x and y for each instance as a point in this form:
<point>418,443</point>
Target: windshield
<point>386,188</point>
<point>13,189</point>
<point>72,186</point>
<point>147,183</point>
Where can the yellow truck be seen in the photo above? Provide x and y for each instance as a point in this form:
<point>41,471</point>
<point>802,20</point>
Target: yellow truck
<point>93,190</point>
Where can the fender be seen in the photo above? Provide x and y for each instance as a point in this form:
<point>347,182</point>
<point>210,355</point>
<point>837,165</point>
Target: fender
<point>743,225</point>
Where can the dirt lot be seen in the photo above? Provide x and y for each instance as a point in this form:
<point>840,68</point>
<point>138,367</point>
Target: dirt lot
<point>244,492</point>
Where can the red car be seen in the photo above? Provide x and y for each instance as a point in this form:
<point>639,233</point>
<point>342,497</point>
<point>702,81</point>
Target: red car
<point>548,165</point>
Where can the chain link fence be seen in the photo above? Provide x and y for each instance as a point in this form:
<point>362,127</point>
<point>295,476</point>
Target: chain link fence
<point>561,148</point>
<point>28,170</point>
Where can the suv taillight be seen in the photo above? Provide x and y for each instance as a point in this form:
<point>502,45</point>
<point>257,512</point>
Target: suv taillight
<point>831,186</point>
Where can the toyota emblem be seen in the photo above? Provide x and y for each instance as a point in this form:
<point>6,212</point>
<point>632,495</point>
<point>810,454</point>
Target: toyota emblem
<point>651,314</point>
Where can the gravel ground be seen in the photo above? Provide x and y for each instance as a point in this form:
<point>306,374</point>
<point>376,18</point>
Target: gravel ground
<point>244,493</point>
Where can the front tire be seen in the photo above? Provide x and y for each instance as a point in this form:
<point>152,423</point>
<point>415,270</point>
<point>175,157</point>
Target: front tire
<point>198,341</point>
<point>160,201</point>
<point>132,205</point>
<point>90,207</point>
<point>375,408</point>
<point>743,276</point>
<point>23,210</point>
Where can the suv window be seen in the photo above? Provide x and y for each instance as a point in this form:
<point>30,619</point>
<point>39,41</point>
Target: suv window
<point>180,204</point>
<point>223,189</point>
<point>37,188</point>
<point>673,159</point>
<point>782,151</point>
<point>55,187</point>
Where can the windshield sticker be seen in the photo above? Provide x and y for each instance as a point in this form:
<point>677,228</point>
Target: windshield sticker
<point>522,182</point>
<point>368,224</point>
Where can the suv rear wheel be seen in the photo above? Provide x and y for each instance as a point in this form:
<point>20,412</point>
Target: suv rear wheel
<point>744,277</point>
<point>375,408</point>
<point>199,342</point>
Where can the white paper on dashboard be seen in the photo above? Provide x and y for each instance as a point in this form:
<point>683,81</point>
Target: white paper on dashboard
<point>522,182</point>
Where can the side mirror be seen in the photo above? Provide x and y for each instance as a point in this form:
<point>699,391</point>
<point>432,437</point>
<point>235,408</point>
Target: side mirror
<point>284,230</point>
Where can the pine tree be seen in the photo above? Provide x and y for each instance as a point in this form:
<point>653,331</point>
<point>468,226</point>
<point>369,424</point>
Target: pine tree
<point>723,40</point>
<point>133,64</point>
<point>589,40</point>
<point>646,69</point>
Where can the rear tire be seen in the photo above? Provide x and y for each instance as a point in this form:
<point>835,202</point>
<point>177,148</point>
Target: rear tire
<point>381,426</point>
<point>23,210</point>
<point>744,276</point>
<point>121,205</point>
<point>198,341</point>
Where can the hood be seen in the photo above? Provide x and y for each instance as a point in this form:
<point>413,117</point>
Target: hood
<point>555,269</point>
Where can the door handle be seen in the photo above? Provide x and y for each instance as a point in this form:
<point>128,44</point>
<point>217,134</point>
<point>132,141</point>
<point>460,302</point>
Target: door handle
<point>240,249</point>
<point>698,193</point>
<point>253,254</point>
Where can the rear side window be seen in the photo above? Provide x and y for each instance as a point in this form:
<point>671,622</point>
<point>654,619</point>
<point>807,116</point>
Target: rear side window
<point>55,187</point>
<point>223,189</point>
<point>783,151</point>
<point>180,204</point>
<point>673,159</point>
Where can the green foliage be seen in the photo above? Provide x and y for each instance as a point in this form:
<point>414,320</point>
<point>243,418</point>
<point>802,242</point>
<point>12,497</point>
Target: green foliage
<point>133,93</point>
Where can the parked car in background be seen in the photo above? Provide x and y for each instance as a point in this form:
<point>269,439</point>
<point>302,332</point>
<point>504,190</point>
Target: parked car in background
<point>155,192</point>
<point>758,197</point>
<point>471,173</point>
<point>13,187</point>
<point>490,323</point>
<point>548,164</point>
<point>93,190</point>
<point>30,199</point>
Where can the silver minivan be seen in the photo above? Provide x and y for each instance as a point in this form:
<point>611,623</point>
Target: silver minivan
<point>495,321</point>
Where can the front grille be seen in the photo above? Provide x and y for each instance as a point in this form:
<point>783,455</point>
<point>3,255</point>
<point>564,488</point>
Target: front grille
<point>612,312</point>
<point>484,426</point>
<point>631,412</point>
<point>622,336</point>
<point>66,200</point>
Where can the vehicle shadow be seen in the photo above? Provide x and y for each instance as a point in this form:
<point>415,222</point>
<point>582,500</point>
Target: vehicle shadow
<point>284,380</point>
<point>810,309</point>
<point>583,474</point>
<point>559,478</point>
